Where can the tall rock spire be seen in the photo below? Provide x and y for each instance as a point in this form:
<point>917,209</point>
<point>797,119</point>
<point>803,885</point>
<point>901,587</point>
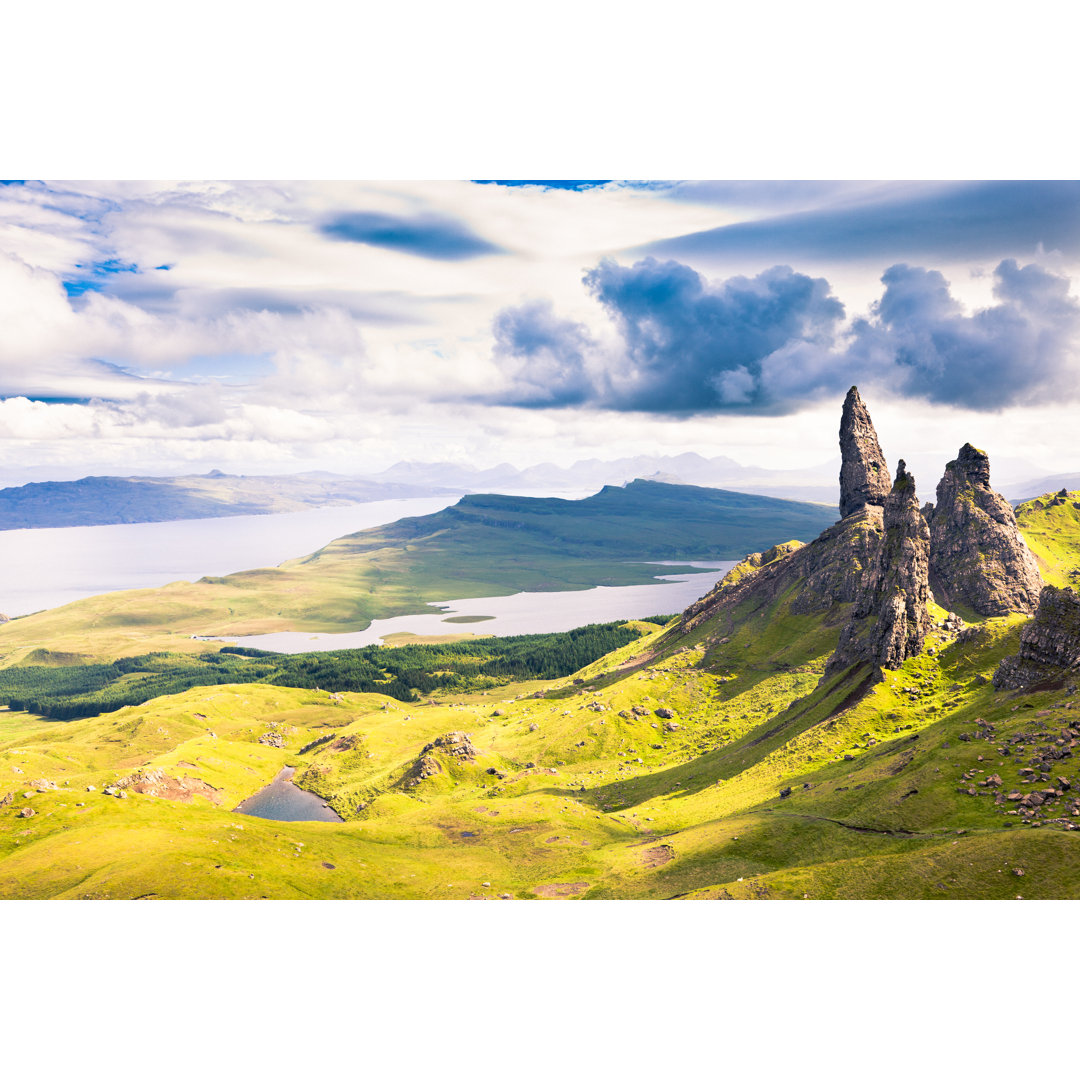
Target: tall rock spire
<point>864,473</point>
<point>977,557</point>
<point>890,618</point>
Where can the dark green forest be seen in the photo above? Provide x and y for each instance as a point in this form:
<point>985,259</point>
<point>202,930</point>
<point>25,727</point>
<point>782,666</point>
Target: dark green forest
<point>405,672</point>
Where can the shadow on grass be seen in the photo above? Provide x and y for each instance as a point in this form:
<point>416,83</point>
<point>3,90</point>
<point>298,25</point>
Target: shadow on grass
<point>693,777</point>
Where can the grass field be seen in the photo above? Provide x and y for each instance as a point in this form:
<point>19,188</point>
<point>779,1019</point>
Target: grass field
<point>696,766</point>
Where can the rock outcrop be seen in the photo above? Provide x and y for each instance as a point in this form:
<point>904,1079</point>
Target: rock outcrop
<point>156,782</point>
<point>864,473</point>
<point>819,576</point>
<point>1049,644</point>
<point>871,574</point>
<point>977,556</point>
<point>889,617</point>
<point>454,745</point>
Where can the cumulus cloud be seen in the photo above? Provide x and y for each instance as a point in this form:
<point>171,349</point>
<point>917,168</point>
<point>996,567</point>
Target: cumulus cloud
<point>683,344</point>
<point>1021,350</point>
<point>542,355</point>
<point>777,342</point>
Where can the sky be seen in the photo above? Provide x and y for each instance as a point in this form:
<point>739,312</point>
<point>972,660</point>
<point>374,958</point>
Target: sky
<point>282,326</point>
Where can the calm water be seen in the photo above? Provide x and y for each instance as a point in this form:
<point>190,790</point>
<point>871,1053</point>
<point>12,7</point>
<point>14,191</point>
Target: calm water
<point>522,613</point>
<point>282,800</point>
<point>44,568</point>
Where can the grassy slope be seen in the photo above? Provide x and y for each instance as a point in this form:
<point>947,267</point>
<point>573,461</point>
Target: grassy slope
<point>588,797</point>
<point>485,546</point>
<point>1051,527</point>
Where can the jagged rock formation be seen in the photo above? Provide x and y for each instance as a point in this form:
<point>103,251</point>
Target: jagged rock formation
<point>843,565</point>
<point>871,574</point>
<point>1049,644</point>
<point>890,618</point>
<point>977,556</point>
<point>821,575</point>
<point>864,473</point>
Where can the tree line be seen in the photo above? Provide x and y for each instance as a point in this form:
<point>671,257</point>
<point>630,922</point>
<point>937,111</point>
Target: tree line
<point>405,672</point>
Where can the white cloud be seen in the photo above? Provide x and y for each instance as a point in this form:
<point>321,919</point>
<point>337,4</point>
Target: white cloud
<point>365,345</point>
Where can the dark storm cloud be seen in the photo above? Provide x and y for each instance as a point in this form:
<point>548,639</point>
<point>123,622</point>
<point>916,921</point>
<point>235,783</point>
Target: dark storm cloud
<point>684,345</point>
<point>428,235</point>
<point>691,345</point>
<point>774,343</point>
<point>919,221</point>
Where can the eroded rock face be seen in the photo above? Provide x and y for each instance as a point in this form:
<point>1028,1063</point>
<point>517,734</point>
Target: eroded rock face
<point>977,556</point>
<point>822,574</point>
<point>1049,644</point>
<point>864,473</point>
<point>890,618</point>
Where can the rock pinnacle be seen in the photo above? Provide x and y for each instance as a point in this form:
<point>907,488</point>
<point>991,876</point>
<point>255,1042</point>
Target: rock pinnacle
<point>977,556</point>
<point>864,473</point>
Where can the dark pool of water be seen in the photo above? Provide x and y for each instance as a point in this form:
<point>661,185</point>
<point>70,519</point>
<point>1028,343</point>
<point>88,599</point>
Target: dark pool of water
<point>282,800</point>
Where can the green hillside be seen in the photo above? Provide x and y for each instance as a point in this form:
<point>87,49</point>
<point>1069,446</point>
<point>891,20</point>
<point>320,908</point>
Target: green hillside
<point>1051,527</point>
<point>484,546</point>
<point>708,759</point>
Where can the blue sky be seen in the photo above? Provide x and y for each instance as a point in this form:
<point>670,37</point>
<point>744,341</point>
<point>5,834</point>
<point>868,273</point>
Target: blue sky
<point>350,325</point>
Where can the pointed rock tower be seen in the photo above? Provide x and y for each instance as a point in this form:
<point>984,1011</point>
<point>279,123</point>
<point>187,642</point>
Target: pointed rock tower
<point>890,618</point>
<point>977,556</point>
<point>864,473</point>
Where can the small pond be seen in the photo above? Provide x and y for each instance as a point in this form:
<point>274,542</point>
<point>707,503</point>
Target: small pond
<point>282,800</point>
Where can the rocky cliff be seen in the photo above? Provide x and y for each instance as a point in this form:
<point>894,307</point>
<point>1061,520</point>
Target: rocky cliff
<point>870,569</point>
<point>872,573</point>
<point>1049,644</point>
<point>864,473</point>
<point>889,618</point>
<point>977,556</point>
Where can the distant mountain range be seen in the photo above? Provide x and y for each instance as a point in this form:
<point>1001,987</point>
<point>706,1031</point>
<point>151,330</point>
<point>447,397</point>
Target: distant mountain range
<point>115,500</point>
<point>111,500</point>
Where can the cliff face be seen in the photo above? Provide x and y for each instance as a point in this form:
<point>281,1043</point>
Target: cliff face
<point>977,556</point>
<point>872,572</point>
<point>871,568</point>
<point>1049,644</point>
<point>864,473</point>
<point>821,575</point>
<point>890,619</point>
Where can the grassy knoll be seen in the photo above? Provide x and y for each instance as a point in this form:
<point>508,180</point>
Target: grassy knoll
<point>484,546</point>
<point>1051,527</point>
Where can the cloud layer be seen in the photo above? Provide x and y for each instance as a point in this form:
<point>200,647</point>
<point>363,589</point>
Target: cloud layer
<point>327,322</point>
<point>777,342</point>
